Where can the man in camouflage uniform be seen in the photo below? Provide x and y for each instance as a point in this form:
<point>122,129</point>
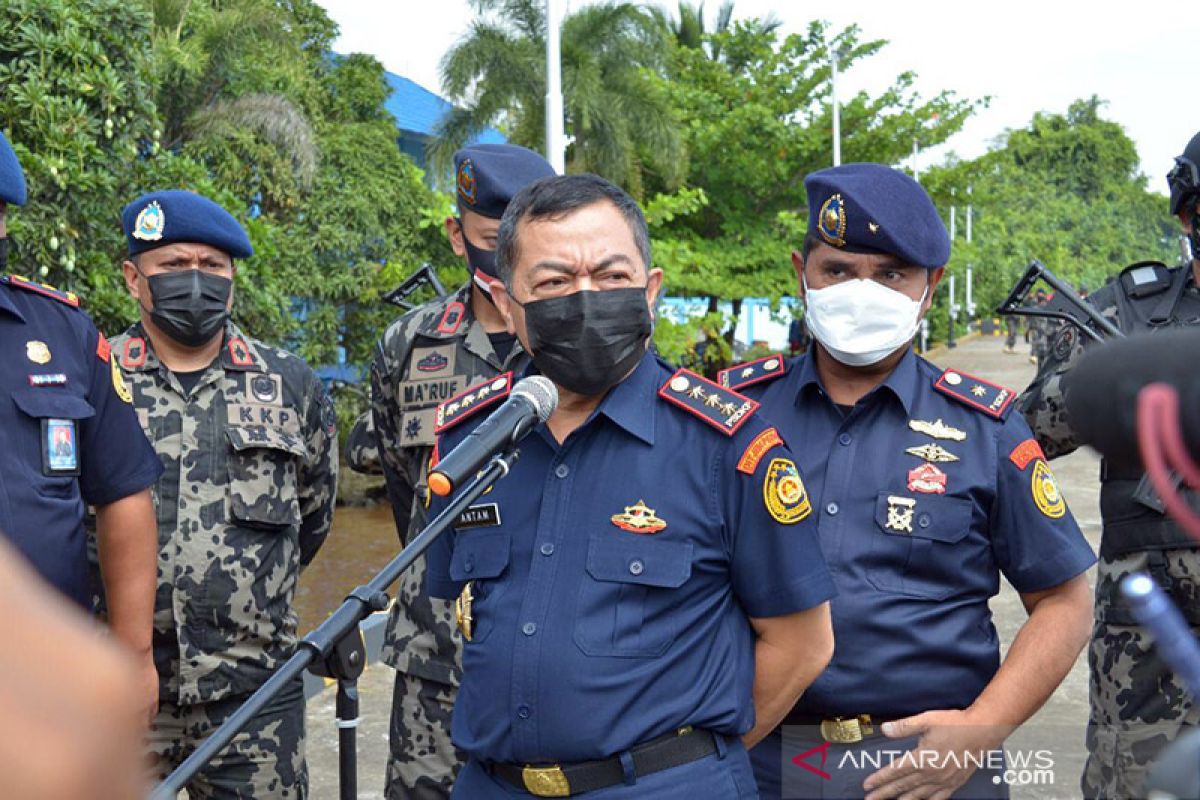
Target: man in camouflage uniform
<point>1137,705</point>
<point>247,434</point>
<point>424,358</point>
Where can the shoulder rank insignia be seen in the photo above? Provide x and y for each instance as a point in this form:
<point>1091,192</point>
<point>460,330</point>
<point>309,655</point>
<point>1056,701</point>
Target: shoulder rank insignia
<point>724,409</point>
<point>481,395</point>
<point>990,398</point>
<point>739,376</point>
<point>70,298</point>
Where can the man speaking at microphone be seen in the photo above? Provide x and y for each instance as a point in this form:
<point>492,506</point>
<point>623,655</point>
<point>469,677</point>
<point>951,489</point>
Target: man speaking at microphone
<point>645,586</point>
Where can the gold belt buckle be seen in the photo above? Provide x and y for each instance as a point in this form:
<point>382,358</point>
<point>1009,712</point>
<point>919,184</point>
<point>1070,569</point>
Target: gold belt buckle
<point>840,730</point>
<point>546,781</point>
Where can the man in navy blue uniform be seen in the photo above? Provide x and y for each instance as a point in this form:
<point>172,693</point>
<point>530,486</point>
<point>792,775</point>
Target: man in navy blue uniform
<point>72,439</point>
<point>645,586</point>
<point>926,489</point>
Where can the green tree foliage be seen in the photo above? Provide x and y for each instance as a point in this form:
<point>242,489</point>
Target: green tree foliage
<point>620,119</point>
<point>240,100</point>
<point>1065,190</point>
<point>757,120</point>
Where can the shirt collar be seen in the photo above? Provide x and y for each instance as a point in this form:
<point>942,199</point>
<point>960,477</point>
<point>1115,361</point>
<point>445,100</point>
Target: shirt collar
<point>6,304</point>
<point>237,353</point>
<point>632,403</point>
<point>901,383</point>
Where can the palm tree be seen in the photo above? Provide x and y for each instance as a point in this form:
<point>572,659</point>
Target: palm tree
<point>689,29</point>
<point>619,124</point>
<point>191,41</point>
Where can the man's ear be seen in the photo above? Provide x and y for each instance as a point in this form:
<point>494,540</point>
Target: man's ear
<point>654,282</point>
<point>131,280</point>
<point>455,235</point>
<point>504,305</point>
<point>798,265</point>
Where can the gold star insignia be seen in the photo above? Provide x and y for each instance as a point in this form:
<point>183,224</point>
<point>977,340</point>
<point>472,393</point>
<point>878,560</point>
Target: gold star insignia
<point>697,393</point>
<point>978,390</point>
<point>713,401</point>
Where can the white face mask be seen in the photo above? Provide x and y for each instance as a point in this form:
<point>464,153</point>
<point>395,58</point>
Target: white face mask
<point>861,322</point>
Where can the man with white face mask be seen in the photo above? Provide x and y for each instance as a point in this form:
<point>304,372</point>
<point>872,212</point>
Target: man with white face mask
<point>927,489</point>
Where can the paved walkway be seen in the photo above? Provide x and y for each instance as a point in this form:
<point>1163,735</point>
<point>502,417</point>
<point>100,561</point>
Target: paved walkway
<point>1057,729</point>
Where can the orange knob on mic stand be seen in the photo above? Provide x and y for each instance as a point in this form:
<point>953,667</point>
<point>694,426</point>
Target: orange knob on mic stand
<point>439,484</point>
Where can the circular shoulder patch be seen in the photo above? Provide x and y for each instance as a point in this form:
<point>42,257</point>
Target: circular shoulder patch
<point>118,382</point>
<point>1045,491</point>
<point>783,492</point>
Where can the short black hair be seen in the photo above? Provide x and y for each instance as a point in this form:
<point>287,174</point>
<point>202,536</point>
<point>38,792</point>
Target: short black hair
<point>556,197</point>
<point>810,241</point>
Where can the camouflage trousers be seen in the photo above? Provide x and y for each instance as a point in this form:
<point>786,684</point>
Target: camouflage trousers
<point>422,762</point>
<point>1136,705</point>
<point>265,761</point>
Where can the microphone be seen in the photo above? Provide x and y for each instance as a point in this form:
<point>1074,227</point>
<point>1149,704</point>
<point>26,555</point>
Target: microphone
<point>531,403</point>
<point>1101,390</point>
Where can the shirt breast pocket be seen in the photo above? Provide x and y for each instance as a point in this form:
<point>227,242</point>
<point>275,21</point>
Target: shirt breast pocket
<point>918,549</point>
<point>482,558</point>
<point>628,596</point>
<point>49,447</point>
<point>263,477</point>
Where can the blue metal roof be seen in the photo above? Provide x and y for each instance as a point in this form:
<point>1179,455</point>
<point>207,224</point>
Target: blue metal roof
<point>418,110</point>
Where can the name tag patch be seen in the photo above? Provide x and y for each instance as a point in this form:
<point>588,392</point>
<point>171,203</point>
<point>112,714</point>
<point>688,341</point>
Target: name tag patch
<point>486,515</point>
<point>60,447</point>
<point>418,394</point>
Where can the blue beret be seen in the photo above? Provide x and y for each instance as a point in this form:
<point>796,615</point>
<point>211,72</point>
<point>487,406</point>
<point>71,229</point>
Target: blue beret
<point>162,218</point>
<point>12,179</point>
<point>488,175</point>
<point>876,209</point>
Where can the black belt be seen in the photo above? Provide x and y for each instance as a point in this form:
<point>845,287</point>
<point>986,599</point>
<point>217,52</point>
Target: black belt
<point>566,780</point>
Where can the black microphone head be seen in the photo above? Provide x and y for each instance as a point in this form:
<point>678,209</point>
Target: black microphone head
<point>1101,390</point>
<point>540,392</point>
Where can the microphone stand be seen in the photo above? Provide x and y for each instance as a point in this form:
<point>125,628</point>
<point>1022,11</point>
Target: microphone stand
<point>338,648</point>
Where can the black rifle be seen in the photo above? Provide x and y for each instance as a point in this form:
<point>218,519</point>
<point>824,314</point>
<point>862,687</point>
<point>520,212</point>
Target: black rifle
<point>335,649</point>
<point>1064,305</point>
<point>425,275</point>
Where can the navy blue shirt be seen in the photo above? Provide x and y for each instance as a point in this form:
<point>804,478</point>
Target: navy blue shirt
<point>916,542</point>
<point>590,637</point>
<point>67,436</point>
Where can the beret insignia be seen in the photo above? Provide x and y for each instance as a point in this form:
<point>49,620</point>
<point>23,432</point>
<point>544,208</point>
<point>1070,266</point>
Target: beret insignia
<point>831,221</point>
<point>150,223</point>
<point>466,181</point>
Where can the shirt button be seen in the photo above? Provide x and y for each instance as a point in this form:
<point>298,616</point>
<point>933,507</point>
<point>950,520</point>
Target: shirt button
<point>924,520</point>
<point>524,712</point>
<point>548,549</point>
<point>562,470</point>
<point>636,567</point>
<point>845,439</point>
<point>469,565</point>
<point>831,509</point>
<point>529,628</point>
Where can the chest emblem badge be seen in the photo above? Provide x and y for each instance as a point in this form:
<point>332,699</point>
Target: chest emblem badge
<point>932,452</point>
<point>900,514</point>
<point>37,352</point>
<point>927,479</point>
<point>462,612</point>
<point>938,430</point>
<point>639,518</point>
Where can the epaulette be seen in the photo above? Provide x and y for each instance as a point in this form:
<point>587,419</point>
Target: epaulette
<point>70,298</point>
<point>470,401</point>
<point>739,376</point>
<point>1145,278</point>
<point>724,409</point>
<point>990,398</point>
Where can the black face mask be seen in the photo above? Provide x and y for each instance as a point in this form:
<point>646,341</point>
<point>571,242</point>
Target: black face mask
<point>3,255</point>
<point>189,305</point>
<point>588,341</point>
<point>478,259</point>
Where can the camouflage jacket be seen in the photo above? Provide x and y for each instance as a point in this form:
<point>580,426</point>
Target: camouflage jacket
<point>246,500</point>
<point>1042,402</point>
<point>427,356</point>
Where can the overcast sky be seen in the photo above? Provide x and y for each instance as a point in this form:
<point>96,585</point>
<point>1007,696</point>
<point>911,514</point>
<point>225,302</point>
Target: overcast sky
<point>1028,56</point>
